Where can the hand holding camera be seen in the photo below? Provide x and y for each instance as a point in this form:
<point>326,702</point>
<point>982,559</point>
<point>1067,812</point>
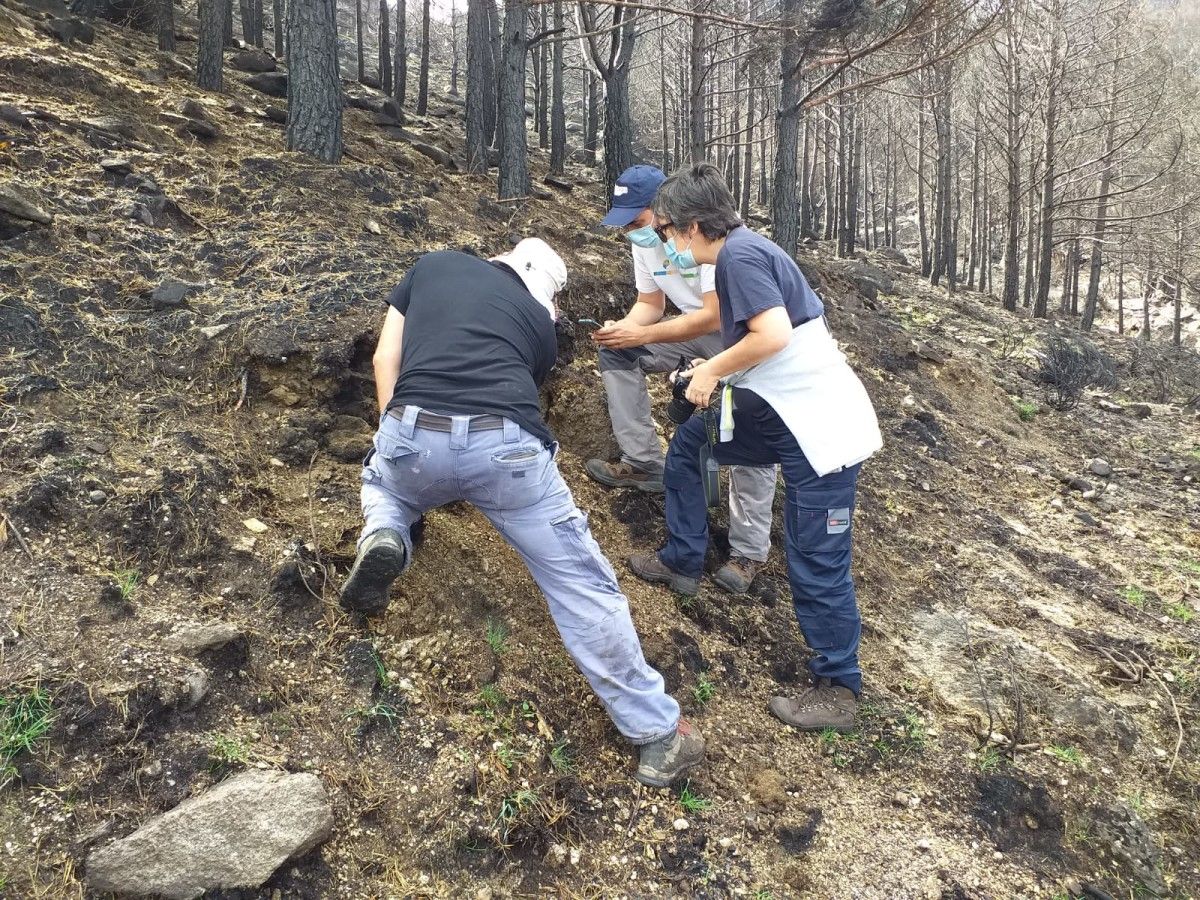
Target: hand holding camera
<point>691,387</point>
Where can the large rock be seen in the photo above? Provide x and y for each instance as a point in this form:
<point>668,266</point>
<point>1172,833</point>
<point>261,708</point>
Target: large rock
<point>273,84</point>
<point>232,836</point>
<point>253,61</point>
<point>21,207</point>
<point>870,280</point>
<point>172,293</point>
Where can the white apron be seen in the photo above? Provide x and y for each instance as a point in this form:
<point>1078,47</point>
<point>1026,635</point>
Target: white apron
<point>816,393</point>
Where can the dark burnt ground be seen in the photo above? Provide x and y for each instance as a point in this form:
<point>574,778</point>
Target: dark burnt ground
<point>133,446</point>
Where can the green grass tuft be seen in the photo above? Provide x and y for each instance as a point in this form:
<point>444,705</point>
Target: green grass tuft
<point>127,580</point>
<point>691,802</point>
<point>497,637</point>
<point>25,717</point>
<point>1181,612</point>
<point>1066,754</point>
<point>704,690</point>
<point>1134,596</point>
<point>1025,410</point>
<point>562,758</point>
<point>989,760</point>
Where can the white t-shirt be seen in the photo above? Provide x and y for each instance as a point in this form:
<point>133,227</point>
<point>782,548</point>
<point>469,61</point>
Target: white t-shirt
<point>652,272</point>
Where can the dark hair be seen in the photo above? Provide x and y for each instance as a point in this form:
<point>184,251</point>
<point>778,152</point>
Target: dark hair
<point>697,193</point>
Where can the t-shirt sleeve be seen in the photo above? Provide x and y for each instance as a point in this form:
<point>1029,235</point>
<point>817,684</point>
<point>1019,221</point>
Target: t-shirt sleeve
<point>750,286</point>
<point>641,273</point>
<point>708,278</point>
<point>399,296</point>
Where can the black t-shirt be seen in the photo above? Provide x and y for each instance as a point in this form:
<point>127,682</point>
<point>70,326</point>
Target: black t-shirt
<point>475,341</point>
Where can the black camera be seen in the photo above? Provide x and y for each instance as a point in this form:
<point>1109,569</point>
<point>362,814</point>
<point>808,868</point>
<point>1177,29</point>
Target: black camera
<point>680,409</point>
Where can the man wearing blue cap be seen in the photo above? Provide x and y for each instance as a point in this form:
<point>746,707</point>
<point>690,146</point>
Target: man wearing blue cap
<point>643,342</point>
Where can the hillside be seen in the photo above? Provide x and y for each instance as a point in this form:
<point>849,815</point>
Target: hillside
<point>186,393</point>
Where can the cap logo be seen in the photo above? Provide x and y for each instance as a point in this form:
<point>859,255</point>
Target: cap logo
<point>620,190</point>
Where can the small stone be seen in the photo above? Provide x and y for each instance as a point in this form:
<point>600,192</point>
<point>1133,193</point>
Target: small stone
<point>484,893</point>
<point>245,543</point>
<point>172,293</point>
<point>18,205</point>
<point>276,462</point>
<point>1031,823</point>
<point>1141,410</point>
<point>276,114</point>
<point>901,799</point>
<point>199,638</point>
<point>194,109</point>
<point>725,843</point>
<point>1109,406</point>
<point>576,855</point>
<point>1079,484</point>
<point>1100,467</point>
<point>1087,518</point>
<point>97,497</point>
<point>195,689</point>
<point>681,825</point>
<point>255,526</point>
<point>924,845</point>
<point>117,165</point>
<point>1056,503</point>
<point>211,331</point>
<point>372,226</point>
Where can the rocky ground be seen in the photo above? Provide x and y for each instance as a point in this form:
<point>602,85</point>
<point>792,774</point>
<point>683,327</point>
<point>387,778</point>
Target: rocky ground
<point>188,314</point>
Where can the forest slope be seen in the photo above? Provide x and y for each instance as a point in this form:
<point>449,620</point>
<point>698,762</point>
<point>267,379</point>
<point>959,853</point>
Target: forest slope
<point>186,349</point>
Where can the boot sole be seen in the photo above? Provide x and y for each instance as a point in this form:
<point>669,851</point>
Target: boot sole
<point>687,586</point>
<point>731,589</point>
<point>366,589</point>
<point>648,487</point>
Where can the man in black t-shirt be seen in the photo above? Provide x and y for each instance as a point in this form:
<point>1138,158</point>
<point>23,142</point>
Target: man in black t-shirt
<point>463,349</point>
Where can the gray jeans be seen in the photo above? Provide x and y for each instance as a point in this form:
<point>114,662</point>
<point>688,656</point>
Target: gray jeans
<point>513,480</point>
<point>751,489</point>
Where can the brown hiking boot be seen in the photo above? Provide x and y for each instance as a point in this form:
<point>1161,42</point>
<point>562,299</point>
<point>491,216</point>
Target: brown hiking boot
<point>824,705</point>
<point>622,474</point>
<point>648,567</point>
<point>737,575</point>
<point>663,762</point>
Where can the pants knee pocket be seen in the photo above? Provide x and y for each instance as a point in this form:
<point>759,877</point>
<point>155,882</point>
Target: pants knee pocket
<point>823,519</point>
<point>579,546</point>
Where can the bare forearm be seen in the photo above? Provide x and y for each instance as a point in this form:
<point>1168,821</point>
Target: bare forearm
<point>749,351</point>
<point>643,313</point>
<point>684,328</point>
<point>387,370</point>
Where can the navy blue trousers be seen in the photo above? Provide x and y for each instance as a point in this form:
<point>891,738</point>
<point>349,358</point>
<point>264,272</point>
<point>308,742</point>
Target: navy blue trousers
<point>818,527</point>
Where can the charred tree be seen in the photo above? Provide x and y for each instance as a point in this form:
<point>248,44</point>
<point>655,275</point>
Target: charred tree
<point>481,97</point>
<point>166,25</point>
<point>400,54</point>
<point>210,45</point>
<point>314,115</point>
<point>423,79</point>
<point>385,49</point>
<point>514,166</point>
<point>558,113</point>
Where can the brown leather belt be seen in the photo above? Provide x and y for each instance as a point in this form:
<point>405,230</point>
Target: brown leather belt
<point>434,422</point>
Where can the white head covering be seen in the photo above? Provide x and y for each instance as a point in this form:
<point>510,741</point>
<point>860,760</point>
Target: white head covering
<point>540,268</point>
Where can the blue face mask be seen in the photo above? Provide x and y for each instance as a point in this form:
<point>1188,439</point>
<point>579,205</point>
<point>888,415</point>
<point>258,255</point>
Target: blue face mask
<point>682,259</point>
<point>643,237</point>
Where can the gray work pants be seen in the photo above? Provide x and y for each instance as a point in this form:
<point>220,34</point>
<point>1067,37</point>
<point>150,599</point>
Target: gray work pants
<point>751,488</point>
<point>513,480</point>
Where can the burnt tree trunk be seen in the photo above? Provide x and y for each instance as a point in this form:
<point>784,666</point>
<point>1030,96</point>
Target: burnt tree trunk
<point>481,97</point>
<point>358,39</point>
<point>785,207</point>
<point>210,44</point>
<point>277,27</point>
<point>558,112</point>
<point>166,25</point>
<point>227,26</point>
<point>385,49</point>
<point>453,49</point>
<point>514,166</point>
<point>696,125</point>
<point>400,54</point>
<point>314,115</point>
<point>423,78</point>
<point>591,129</point>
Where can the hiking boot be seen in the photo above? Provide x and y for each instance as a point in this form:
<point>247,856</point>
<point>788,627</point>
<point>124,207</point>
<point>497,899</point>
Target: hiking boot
<point>380,559</point>
<point>737,575</point>
<point>648,567</point>
<point>824,705</point>
<point>663,762</point>
<point>622,474</point>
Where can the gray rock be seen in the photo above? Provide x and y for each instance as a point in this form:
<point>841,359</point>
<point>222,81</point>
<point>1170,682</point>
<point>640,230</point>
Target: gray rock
<point>1109,406</point>
<point>202,129</point>
<point>194,109</point>
<point>1080,484</point>
<point>195,689</point>
<point>198,638</point>
<point>69,30</point>
<point>870,280</point>
<point>1130,840</point>
<point>253,61</point>
<point>12,115</point>
<point>276,114</point>
<point>212,331</point>
<point>171,293</point>
<point>97,497</point>
<point>234,835</point>
<point>891,253</point>
<point>16,204</point>
<point>117,165</point>
<point>273,84</point>
<point>1100,467</point>
<point>1141,410</point>
<point>393,111</point>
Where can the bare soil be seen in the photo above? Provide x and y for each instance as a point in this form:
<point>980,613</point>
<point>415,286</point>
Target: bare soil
<point>1032,670</point>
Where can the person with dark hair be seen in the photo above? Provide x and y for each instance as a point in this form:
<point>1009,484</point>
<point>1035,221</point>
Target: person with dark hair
<point>646,341</point>
<point>463,348</point>
<point>788,396</point>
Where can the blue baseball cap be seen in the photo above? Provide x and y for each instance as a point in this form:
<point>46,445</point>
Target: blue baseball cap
<point>633,192</point>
